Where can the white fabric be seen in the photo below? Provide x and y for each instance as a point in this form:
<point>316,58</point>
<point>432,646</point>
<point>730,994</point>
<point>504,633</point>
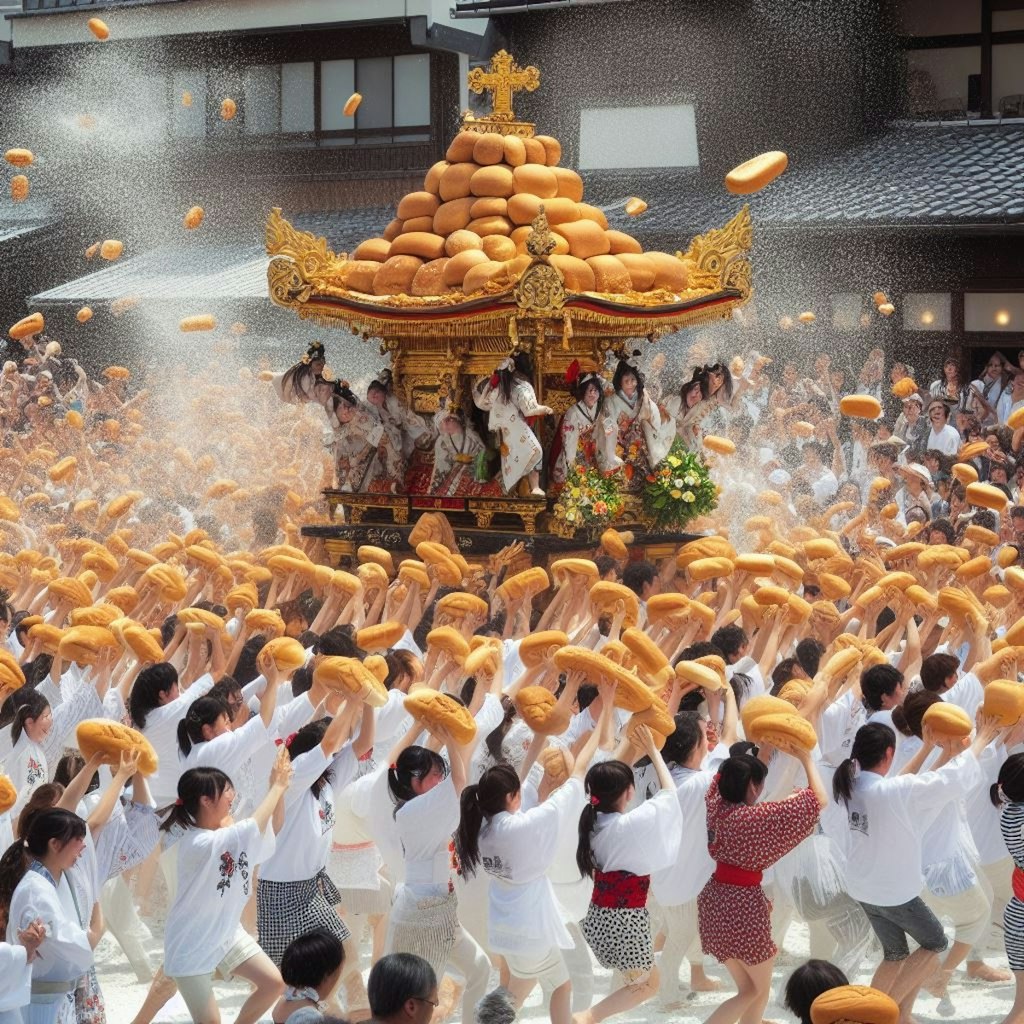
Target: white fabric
<point>15,976</point>
<point>425,827</point>
<point>640,841</point>
<point>947,440</point>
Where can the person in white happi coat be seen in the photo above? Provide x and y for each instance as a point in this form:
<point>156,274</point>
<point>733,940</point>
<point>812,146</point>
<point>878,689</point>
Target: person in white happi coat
<point>510,399</point>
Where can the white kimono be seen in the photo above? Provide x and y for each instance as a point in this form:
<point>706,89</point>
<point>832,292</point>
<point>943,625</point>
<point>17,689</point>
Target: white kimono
<point>454,455</point>
<point>521,452</point>
<point>618,418</point>
<point>579,439</point>
<point>409,427</point>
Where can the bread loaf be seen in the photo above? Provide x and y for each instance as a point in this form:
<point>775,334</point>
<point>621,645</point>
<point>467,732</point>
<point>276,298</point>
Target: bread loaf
<point>438,710</point>
<point>453,216</point>
<point>753,175</point>
<point>585,238</point>
<point>493,181</point>
<point>454,183</point>
<point>111,739</point>
<point>854,1004</point>
<point>610,275</point>
<point>373,249</point>
<point>864,407</point>
<point>948,720</point>
<point>536,706</point>
<point>396,275</point>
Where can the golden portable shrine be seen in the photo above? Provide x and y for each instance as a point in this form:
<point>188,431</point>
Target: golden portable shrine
<point>497,275</point>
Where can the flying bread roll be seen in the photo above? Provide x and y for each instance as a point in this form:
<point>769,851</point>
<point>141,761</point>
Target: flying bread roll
<point>19,157</point>
<point>903,552</point>
<point>703,569</point>
<point>26,326</point>
<point>381,637</point>
<point>538,648</point>
<point>998,596</point>
<point>863,407</point>
<point>948,720</point>
<point>350,676</point>
<point>771,595</point>
<point>98,28</point>
<point>437,710</point>
<point>753,175</point>
<point>202,322</point>
<point>972,450</point>
<point>904,387</point>
<point>614,543</point>
<point>699,675</point>
<point>821,547</point>
<point>1016,419</point>
<point>974,567</point>
<point>536,706</point>
<point>607,597</point>
<point>449,640</point>
<point>1004,700</point>
<point>721,445</point>
<point>110,739</point>
<point>287,654</point>
<point>9,793</point>
<point>964,472</point>
<point>854,1004</point>
<point>987,496</point>
<point>981,535</point>
<point>758,565</point>
<point>352,104</point>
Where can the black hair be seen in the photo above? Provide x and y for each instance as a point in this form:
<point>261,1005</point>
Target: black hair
<point>879,681</point>
<point>782,673</point>
<point>413,763</point>
<point>945,527</point>
<point>395,979</point>
<point>729,640</point>
<point>737,773</point>
<point>167,630</point>
<point>145,696</point>
<point>204,711</point>
<point>483,800</point>
<point>522,364</point>
<point>870,746</point>
<point>621,370</point>
<point>808,653</point>
<point>681,743</point>
<point>246,669</point>
<point>52,823</point>
<point>1009,784</point>
<point>301,742</point>
<point>31,706</point>
<point>605,783</point>
<point>401,663</point>
<point>302,680</point>
<point>69,766</point>
<point>808,982</point>
<point>338,642</point>
<point>311,959</point>
<point>192,787</point>
<point>586,695</point>
<point>342,393</point>
<point>636,574</point>
<point>908,718</point>
<point>703,375</point>
<point>496,737</point>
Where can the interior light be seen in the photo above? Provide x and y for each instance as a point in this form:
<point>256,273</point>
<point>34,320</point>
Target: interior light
<point>1002,317</point>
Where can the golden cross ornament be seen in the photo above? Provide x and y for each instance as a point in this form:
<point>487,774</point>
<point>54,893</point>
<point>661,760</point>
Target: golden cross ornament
<point>503,80</point>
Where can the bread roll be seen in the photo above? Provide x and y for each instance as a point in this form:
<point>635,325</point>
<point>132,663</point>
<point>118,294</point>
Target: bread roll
<point>95,615</point>
<point>395,228</point>
<point>854,1004</point>
<point>20,188</point>
<point>669,273</point>
<point>483,662</point>
<point>350,676</point>
<point>352,104</point>
<point>666,608</point>
<point>462,147</point>
<point>449,640</point>
<point>607,597</point>
<point>524,585</point>
<point>490,149</point>
<point>418,204</point>
<point>577,275</point>
<point>699,675</point>
<point>287,654</point>
<point>429,279</point>
<point>459,266</point>
<point>537,708</point>
<point>561,568</point>
<point>396,275</point>
<point>614,543</point>
<point>948,720</point>
<point>31,324</point>
<point>432,179</point>
<point>536,649</point>
<point>438,710</point>
<point>265,621</point>
<point>585,238</point>
<point>85,644</point>
<point>864,407</point>
<point>702,569</point>
<point>454,183</point>
<point>535,180</point>
<point>641,270</point>
<point>492,181</point>
<point>375,250</point>
<point>1004,699</point>
<point>9,793</point>
<point>557,763</point>
<point>721,445</point>
<point>453,216</point>
<point>972,450</point>
<point>981,535</point>
<point>424,244</point>
<point>489,206</point>
<point>485,226</point>
<point>19,157</point>
<point>754,174</point>
<point>987,496</point>
<point>783,730</point>
<point>655,718</point>
<point>111,739</point>
<point>515,150</point>
<point>499,248</point>
<point>480,275</point>
<point>610,275</point>
<point>460,604</point>
<point>635,206</point>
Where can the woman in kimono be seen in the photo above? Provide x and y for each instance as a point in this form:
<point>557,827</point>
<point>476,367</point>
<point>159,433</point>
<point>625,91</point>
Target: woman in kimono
<point>504,827</point>
<point>677,408</point>
<point>509,397</point>
<point>361,445</point>
<point>455,452</point>
<point>405,428</point>
<point>304,382</point>
<point>629,431</point>
<point>576,434</point>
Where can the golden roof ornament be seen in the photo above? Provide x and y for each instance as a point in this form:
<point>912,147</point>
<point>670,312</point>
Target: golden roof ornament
<point>503,81</point>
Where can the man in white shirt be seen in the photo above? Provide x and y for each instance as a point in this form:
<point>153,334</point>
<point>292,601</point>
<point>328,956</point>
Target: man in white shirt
<point>987,391</point>
<point>942,436</point>
<point>816,475</point>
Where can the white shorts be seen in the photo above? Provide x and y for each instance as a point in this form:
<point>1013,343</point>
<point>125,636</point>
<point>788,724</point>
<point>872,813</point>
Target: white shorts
<point>548,967</point>
<point>197,989</point>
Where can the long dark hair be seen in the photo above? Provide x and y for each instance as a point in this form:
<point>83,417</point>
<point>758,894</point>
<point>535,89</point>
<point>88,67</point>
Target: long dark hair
<point>703,376</point>
<point>870,746</point>
<point>51,823</point>
<point>192,787</point>
<point>737,773</point>
<point>908,718</point>
<point>1009,785</point>
<point>605,783</point>
<point>624,367</point>
<point>579,390</point>
<point>413,763</point>
<point>305,740</point>
<point>34,705</point>
<point>496,737</point>
<point>484,800</point>
<point>204,711</point>
<point>521,364</point>
<point>146,690</point>
<point>681,743</point>
<point>303,369</point>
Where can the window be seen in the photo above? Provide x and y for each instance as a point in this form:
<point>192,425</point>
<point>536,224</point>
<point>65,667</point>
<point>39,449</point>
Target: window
<point>994,311</point>
<point>926,311</point>
<point>1008,79</point>
<point>621,137</point>
<point>396,99</point>
<point>261,99</point>
<point>298,113</point>
<point>939,80</point>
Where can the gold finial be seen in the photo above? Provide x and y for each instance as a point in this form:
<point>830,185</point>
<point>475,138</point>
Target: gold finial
<point>503,81</point>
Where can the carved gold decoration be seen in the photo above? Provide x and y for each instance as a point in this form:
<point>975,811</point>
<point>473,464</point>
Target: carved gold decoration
<point>715,259</point>
<point>503,81</point>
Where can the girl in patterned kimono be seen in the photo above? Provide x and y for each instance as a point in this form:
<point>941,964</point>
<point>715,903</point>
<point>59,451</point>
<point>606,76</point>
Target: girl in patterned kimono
<point>576,432</point>
<point>361,446</point>
<point>304,382</point>
<point>455,452</point>
<point>677,409</point>
<point>404,427</point>
<point>511,400</point>
<point>630,434</point>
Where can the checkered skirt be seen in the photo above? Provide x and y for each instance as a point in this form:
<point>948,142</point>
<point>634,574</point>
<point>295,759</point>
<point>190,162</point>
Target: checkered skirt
<point>286,910</point>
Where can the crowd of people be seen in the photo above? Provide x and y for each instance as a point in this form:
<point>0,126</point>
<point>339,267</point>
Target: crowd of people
<point>477,778</point>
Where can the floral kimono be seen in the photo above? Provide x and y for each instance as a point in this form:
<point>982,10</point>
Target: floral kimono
<point>631,435</point>
<point>521,452</point>
<point>454,456</point>
<point>356,445</point>
<point>578,441</point>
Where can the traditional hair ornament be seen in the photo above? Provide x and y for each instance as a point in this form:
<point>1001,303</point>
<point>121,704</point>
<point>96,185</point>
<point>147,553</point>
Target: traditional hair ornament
<point>392,767</point>
<point>328,375</point>
<point>315,351</point>
<point>508,363</point>
<point>572,373</point>
<point>594,801</point>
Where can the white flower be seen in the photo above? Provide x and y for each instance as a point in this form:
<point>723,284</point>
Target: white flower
<point>570,516</point>
<point>677,482</point>
<point>688,496</point>
<point>690,480</point>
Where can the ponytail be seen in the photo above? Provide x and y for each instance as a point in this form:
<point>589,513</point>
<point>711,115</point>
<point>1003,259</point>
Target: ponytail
<point>737,774</point>
<point>605,783</point>
<point>484,800</point>
<point>870,746</point>
<point>413,763</point>
<point>496,737</point>
<point>192,787</point>
<point>46,824</point>
<point>34,706</point>
<point>146,690</point>
<point>204,711</point>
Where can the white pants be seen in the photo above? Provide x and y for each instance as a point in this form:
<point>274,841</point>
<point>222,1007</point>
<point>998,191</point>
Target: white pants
<point>469,959</point>
<point>682,939</point>
<point>581,969</point>
<point>968,911</point>
<point>122,920</point>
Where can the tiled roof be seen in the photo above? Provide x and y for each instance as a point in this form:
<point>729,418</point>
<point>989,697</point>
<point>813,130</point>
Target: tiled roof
<point>214,271</point>
<point>927,175</point>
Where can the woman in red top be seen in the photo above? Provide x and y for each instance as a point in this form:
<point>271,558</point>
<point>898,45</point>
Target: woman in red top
<point>745,838</point>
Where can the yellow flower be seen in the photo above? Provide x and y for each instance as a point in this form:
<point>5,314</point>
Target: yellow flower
<point>673,461</point>
<point>675,493</point>
<point>575,492</point>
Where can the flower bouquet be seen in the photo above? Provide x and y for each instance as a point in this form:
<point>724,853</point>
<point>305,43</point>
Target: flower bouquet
<point>679,489</point>
<point>589,498</point>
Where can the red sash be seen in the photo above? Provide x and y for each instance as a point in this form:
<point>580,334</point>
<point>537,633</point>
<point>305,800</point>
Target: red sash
<point>620,890</point>
<point>729,874</point>
<point>1017,881</point>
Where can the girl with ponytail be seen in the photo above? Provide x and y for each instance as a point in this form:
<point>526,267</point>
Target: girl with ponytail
<point>619,849</point>
<point>516,847</point>
<point>424,917</point>
<point>37,892</point>
<point>216,858</point>
<point>1007,794</point>
<point>887,813</point>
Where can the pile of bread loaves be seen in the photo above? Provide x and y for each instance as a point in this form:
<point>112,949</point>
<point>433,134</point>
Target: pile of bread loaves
<point>466,230</point>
